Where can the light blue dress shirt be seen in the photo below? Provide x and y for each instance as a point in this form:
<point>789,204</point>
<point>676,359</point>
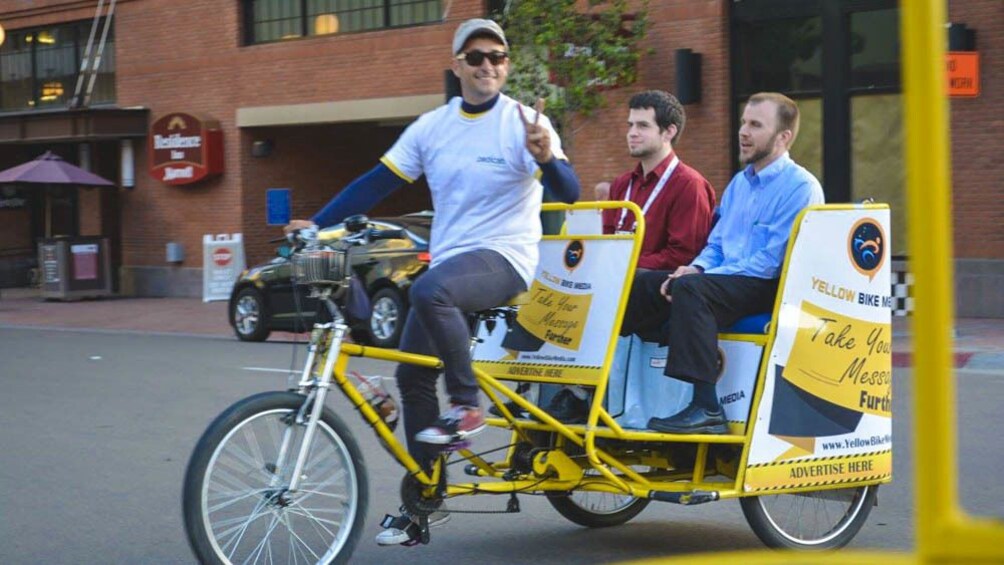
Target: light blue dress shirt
<point>757,212</point>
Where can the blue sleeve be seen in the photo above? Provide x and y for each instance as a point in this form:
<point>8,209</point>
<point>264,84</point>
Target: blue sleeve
<point>359,196</point>
<point>560,180</point>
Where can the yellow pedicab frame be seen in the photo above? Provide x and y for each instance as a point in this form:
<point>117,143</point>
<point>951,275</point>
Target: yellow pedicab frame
<point>566,474</point>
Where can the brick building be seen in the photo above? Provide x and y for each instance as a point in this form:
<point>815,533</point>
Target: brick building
<point>309,93</point>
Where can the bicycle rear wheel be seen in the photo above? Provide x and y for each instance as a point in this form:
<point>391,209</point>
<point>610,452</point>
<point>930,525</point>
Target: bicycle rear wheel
<point>821,520</point>
<point>237,505</point>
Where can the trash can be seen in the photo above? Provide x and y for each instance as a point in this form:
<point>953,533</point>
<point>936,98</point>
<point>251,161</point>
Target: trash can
<point>74,267</point>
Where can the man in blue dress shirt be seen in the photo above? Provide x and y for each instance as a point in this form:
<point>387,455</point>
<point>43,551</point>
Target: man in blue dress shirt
<point>737,273</point>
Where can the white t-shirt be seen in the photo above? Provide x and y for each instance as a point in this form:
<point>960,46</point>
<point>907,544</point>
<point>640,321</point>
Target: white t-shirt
<point>483,180</point>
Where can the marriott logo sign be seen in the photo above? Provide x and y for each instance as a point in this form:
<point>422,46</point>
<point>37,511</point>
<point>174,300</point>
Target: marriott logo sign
<point>185,149</point>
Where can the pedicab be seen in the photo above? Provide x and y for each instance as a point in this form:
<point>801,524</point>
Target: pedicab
<point>806,391</point>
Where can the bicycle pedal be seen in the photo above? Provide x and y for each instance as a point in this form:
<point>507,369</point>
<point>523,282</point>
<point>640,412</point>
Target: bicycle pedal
<point>456,446</point>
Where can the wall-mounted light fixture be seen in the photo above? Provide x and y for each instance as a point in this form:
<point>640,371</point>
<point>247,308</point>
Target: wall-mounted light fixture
<point>688,76</point>
<point>127,164</point>
<point>262,148</point>
<point>960,37</point>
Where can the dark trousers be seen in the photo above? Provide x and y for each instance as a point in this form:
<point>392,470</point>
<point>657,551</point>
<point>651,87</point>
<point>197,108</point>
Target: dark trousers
<point>701,306</point>
<point>437,325</point>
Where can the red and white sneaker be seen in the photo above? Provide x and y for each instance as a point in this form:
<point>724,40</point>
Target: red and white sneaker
<point>456,424</point>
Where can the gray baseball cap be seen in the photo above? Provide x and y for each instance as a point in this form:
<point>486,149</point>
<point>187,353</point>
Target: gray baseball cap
<point>470,27</point>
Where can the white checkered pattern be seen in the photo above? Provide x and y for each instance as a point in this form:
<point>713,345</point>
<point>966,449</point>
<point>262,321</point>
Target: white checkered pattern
<point>902,293</point>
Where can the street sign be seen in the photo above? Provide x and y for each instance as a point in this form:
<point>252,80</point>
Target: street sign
<point>222,263</point>
<point>963,68</point>
<point>278,204</point>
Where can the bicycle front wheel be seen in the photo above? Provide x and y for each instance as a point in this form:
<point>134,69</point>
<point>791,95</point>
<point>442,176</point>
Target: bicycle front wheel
<point>237,504</point>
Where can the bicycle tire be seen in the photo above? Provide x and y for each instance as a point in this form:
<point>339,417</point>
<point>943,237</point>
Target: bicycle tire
<point>249,475</point>
<point>777,532</point>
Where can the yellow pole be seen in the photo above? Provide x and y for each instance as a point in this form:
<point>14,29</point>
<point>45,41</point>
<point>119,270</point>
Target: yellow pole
<point>944,531</point>
<point>929,208</point>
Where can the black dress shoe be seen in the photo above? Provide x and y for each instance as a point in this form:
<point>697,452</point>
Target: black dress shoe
<point>513,408</point>
<point>567,408</point>
<point>691,420</point>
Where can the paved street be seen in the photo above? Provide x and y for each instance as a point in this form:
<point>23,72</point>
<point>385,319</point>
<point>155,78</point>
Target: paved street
<point>96,430</point>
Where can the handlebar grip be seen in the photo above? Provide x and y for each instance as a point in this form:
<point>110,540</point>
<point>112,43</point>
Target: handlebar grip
<point>386,234</point>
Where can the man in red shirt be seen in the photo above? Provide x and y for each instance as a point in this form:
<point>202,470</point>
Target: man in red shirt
<point>677,201</point>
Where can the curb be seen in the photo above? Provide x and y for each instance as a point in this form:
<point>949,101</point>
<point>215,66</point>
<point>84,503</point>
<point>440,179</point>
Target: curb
<point>977,360</point>
<point>905,358</point>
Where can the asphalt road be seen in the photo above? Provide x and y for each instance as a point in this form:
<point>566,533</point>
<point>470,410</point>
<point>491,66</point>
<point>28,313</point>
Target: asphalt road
<point>96,430</point>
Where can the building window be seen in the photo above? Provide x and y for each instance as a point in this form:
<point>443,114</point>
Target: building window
<point>39,67</point>
<point>277,20</point>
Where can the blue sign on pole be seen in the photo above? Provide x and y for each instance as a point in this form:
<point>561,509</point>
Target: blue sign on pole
<point>278,205</point>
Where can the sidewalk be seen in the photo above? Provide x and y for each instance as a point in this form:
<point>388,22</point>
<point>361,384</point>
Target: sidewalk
<point>979,342</point>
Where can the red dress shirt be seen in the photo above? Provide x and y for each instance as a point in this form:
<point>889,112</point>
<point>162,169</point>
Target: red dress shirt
<point>678,221</point>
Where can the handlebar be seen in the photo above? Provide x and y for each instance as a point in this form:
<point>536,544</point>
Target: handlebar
<point>308,237</point>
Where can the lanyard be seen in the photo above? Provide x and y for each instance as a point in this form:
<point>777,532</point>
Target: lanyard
<point>651,197</point>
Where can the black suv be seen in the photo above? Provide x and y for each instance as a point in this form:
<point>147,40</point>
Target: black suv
<point>263,297</point>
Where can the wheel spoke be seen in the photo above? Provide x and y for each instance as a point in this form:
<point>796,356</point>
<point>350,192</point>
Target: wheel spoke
<point>257,551</point>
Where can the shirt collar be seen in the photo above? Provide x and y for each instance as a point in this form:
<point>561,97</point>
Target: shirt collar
<point>638,172</point>
<point>475,110</point>
<point>769,173</point>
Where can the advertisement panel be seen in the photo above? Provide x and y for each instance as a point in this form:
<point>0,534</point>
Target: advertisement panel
<point>564,332</point>
<point>826,412</point>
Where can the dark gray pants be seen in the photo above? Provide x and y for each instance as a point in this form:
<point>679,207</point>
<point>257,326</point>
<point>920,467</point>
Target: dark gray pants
<point>702,305</point>
<point>437,325</point>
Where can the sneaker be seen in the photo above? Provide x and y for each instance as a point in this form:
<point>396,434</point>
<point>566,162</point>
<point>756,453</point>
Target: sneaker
<point>456,424</point>
<point>404,529</point>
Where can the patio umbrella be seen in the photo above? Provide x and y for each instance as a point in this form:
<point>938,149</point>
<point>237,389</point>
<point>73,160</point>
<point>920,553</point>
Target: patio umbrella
<point>50,169</point>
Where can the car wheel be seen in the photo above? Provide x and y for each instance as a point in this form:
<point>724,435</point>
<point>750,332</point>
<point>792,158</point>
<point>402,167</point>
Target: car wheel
<point>249,315</point>
<point>387,319</point>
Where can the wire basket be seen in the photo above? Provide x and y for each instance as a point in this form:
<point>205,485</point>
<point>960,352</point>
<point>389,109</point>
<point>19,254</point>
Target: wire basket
<point>324,267</point>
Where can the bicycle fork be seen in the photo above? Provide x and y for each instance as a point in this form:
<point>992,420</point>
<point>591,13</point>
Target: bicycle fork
<point>318,391</point>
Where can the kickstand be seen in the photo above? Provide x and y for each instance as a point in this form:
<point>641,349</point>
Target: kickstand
<point>513,505</point>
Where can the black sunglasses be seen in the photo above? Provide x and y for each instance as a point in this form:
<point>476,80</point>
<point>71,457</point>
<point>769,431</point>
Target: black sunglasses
<point>475,58</point>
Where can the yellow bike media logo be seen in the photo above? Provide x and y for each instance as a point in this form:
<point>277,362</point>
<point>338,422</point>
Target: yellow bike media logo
<point>575,252</point>
<point>866,247</point>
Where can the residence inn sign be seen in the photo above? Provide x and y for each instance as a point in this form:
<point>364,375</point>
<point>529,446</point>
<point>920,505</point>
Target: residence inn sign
<point>185,149</point>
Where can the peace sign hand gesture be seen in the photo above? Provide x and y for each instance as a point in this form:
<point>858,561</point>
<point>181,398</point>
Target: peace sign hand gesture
<point>538,139</point>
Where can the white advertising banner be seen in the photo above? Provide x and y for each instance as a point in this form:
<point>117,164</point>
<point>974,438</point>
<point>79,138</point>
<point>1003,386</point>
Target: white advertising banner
<point>638,390</point>
<point>826,412</point>
<point>564,333</point>
<point>222,264</point>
